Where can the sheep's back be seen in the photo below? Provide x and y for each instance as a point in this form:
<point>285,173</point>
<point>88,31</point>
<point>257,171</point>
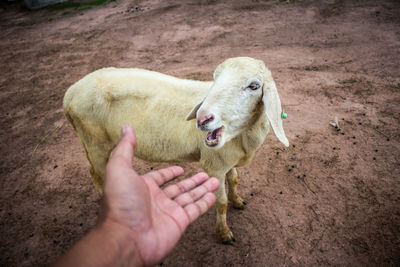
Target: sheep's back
<point>155,104</point>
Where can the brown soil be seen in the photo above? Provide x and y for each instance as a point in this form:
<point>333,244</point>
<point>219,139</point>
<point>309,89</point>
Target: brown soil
<point>332,198</point>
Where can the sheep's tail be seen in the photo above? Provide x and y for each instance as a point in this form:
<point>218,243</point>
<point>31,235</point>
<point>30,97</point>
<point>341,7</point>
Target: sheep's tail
<point>66,106</point>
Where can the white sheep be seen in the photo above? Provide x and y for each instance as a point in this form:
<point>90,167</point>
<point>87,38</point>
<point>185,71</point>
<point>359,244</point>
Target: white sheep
<point>233,113</point>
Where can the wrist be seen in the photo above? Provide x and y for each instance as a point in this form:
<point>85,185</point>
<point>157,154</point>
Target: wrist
<point>104,245</point>
<point>120,242</point>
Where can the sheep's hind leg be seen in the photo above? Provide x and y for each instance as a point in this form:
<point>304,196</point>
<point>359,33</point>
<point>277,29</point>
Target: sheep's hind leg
<point>98,160</point>
<point>233,196</point>
<point>97,180</point>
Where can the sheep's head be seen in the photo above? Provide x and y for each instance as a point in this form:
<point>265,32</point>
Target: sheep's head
<point>240,84</point>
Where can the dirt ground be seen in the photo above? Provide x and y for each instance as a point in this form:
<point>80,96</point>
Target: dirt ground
<point>331,198</point>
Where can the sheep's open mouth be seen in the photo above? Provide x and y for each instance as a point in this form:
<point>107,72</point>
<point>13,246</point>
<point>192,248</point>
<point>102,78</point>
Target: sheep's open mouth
<point>213,137</point>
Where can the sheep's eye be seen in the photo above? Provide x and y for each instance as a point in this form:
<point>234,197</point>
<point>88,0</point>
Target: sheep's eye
<point>253,86</point>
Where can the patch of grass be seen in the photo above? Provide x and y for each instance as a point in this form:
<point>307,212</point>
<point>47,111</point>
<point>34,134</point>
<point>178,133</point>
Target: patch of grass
<point>81,8</point>
<point>64,5</point>
<point>78,6</point>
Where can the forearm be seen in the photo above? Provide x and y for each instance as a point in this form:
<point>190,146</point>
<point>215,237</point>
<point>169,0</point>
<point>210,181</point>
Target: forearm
<point>102,246</point>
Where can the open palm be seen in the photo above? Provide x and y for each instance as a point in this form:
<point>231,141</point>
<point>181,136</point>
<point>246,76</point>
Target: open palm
<point>156,218</point>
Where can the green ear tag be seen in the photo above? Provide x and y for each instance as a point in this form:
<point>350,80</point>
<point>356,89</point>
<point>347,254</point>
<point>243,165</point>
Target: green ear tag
<point>283,115</point>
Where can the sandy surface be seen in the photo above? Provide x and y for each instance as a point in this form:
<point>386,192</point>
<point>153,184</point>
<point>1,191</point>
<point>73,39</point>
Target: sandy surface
<point>331,198</point>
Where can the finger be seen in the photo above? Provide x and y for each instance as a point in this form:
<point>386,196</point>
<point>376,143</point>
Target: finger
<point>164,175</point>
<point>123,152</point>
<point>185,185</point>
<point>189,197</point>
<point>199,207</point>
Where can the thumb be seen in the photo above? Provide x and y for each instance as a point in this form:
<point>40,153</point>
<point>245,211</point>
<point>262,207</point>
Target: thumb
<point>123,152</point>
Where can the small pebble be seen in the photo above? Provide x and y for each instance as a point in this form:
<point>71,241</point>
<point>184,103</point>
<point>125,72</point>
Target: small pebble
<point>376,150</point>
<point>70,207</point>
<point>81,224</point>
<point>298,176</point>
<point>55,166</point>
<point>289,170</point>
<point>277,153</point>
<point>304,175</point>
<point>342,133</point>
<point>374,158</point>
<point>151,168</point>
<point>334,148</point>
<point>354,143</point>
<point>388,139</point>
<point>251,194</point>
<point>360,123</point>
<point>292,166</point>
<point>354,137</point>
<point>289,214</point>
<point>281,192</point>
<point>294,145</point>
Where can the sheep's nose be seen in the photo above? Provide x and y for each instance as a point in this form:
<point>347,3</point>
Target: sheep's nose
<point>201,122</point>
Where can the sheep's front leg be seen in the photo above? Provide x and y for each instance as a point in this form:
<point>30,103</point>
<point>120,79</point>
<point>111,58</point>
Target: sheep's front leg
<point>223,231</point>
<point>233,196</point>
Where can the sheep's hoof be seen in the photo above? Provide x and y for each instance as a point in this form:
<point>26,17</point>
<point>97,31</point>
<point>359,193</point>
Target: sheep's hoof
<point>226,236</point>
<point>238,203</point>
<point>230,242</point>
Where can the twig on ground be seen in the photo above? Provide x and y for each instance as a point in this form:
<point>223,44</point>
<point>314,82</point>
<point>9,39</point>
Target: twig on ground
<point>378,131</point>
<point>46,136</point>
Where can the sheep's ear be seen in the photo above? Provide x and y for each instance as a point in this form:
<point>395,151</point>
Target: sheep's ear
<point>192,114</point>
<point>219,69</point>
<point>273,110</point>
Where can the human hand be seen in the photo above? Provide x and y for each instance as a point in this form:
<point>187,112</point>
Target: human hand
<point>154,218</point>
